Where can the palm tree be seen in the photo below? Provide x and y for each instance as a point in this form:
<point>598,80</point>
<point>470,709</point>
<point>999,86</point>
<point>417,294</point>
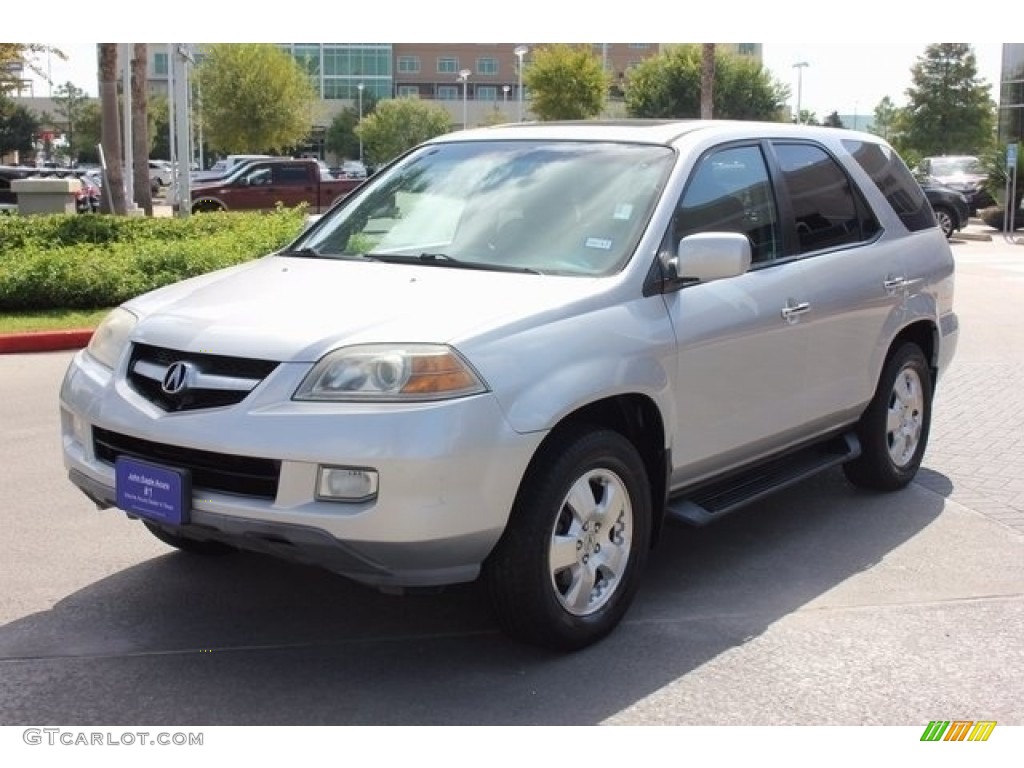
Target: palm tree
<point>110,134</point>
<point>707,80</point>
<point>140,130</point>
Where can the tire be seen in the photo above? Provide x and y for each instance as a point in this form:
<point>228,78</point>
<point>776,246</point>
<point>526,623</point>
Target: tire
<point>206,206</point>
<point>944,218</point>
<point>598,552</point>
<point>894,429</point>
<point>192,546</point>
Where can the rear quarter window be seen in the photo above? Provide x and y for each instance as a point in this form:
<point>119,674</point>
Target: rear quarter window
<point>894,180</point>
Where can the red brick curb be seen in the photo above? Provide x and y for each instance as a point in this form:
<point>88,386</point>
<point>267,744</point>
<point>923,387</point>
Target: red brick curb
<point>44,341</point>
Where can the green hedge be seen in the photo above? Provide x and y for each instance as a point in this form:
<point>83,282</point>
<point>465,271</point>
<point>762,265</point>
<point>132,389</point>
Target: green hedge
<point>91,261</point>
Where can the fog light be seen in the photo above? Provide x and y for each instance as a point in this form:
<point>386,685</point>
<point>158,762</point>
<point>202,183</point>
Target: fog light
<point>346,484</point>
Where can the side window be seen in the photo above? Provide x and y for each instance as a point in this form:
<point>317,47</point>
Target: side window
<point>894,180</point>
<point>256,177</point>
<point>826,208</point>
<point>291,175</point>
<point>729,191</point>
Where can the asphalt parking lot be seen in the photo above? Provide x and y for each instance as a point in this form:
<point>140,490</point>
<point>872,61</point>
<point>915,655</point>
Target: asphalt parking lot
<point>821,606</point>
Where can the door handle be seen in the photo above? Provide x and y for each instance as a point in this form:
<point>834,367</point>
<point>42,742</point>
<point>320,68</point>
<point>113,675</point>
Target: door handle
<point>792,311</point>
<point>893,284</point>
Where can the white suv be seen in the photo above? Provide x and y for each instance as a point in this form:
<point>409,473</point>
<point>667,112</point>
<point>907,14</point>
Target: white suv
<point>517,351</point>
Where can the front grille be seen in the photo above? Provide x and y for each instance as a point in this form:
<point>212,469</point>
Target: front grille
<point>223,472</point>
<point>237,377</point>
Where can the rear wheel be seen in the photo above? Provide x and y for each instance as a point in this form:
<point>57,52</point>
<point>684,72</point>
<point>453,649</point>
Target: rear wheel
<point>894,429</point>
<point>567,567</point>
<point>193,546</point>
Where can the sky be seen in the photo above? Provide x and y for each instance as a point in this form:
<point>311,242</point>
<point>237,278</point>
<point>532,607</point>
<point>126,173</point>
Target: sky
<point>841,75</point>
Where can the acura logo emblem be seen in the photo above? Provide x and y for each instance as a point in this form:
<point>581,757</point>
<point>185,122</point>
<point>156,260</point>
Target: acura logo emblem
<point>176,378</point>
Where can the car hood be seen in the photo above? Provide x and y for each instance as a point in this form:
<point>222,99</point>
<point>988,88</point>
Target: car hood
<point>296,309</point>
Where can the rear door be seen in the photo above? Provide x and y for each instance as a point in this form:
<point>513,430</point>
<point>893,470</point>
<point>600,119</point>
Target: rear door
<point>853,275</point>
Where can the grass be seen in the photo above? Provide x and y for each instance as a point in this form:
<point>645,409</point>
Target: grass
<point>50,320</point>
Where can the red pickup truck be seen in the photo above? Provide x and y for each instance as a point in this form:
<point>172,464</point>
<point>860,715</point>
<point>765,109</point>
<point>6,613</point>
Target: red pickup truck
<point>260,185</point>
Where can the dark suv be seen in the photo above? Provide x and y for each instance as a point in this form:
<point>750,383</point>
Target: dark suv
<point>952,211</point>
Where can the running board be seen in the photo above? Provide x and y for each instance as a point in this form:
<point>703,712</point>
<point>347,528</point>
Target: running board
<point>710,502</point>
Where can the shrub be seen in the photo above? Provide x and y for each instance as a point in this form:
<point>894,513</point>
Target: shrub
<point>995,217</point>
<point>85,262</point>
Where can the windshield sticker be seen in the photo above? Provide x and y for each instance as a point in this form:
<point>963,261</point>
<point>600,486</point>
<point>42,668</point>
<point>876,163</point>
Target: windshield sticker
<point>623,211</point>
<point>599,242</point>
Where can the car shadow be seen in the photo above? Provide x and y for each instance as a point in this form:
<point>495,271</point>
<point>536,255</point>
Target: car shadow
<point>244,639</point>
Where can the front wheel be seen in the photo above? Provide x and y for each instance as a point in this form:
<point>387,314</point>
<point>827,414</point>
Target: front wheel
<point>893,431</point>
<point>567,567</point>
<point>944,218</point>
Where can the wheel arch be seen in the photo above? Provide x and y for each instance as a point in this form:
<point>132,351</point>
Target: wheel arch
<point>924,334</point>
<point>637,418</point>
<point>204,204</point>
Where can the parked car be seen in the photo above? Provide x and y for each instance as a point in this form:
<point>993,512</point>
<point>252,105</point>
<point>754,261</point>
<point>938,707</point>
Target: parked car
<point>260,185</point>
<point>161,173</point>
<point>87,199</point>
<point>350,169</point>
<point>963,173</point>
<point>9,173</point>
<point>516,352</point>
<point>952,211</point>
<point>224,167</point>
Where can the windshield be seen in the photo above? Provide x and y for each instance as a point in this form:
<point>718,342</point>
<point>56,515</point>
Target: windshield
<point>954,166</point>
<point>549,207</point>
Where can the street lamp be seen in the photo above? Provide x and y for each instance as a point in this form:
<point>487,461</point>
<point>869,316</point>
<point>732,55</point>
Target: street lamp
<point>464,79</point>
<point>799,66</point>
<point>520,51</point>
<point>360,89</point>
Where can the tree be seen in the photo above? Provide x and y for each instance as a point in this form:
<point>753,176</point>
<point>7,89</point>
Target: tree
<point>18,128</point>
<point>342,139</point>
<point>566,82</point>
<point>400,124</point>
<point>668,86</point>
<point>69,100</point>
<point>13,56</point>
<point>707,80</point>
<point>886,117</point>
<point>834,121</point>
<point>950,110</point>
<point>88,132</point>
<point>140,130</point>
<point>256,98</point>
<point>113,188</point>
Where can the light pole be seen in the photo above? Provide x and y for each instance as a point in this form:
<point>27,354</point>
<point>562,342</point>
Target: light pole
<point>504,98</point>
<point>360,89</point>
<point>520,51</point>
<point>799,66</point>
<point>464,79</point>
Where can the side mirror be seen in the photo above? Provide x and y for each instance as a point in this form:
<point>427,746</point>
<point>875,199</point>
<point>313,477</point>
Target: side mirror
<point>709,256</point>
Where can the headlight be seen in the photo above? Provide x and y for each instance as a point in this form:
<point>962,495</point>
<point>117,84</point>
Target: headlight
<point>109,339</point>
<point>390,372</point>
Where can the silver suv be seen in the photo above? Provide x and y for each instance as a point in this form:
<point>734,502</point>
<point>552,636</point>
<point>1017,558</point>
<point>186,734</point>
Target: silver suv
<point>516,352</point>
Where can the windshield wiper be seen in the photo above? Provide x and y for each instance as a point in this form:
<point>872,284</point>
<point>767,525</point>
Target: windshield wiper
<point>307,251</point>
<point>444,260</point>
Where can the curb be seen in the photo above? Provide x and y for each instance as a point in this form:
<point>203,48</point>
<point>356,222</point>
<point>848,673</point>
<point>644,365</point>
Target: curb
<point>44,341</point>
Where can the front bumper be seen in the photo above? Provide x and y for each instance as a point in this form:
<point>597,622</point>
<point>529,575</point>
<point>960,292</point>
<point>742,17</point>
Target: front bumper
<point>448,472</point>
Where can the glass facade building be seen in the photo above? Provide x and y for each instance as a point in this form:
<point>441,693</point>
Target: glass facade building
<point>1011,95</point>
<point>337,69</point>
